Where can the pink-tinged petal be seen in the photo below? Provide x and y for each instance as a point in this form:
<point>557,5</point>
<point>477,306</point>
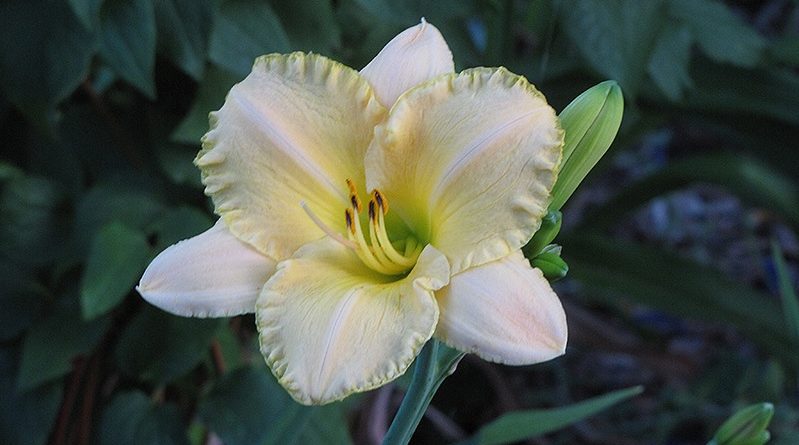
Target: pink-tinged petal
<point>329,326</point>
<point>415,55</point>
<point>503,311</point>
<point>210,275</point>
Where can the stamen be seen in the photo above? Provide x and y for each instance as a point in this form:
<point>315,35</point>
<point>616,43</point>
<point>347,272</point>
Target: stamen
<point>356,202</point>
<point>348,219</point>
<point>385,244</point>
<point>381,201</point>
<point>366,254</point>
<point>325,227</point>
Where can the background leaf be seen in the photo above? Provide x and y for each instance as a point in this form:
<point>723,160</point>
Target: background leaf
<point>116,260</point>
<point>127,41</point>
<point>44,57</point>
<point>184,31</point>
<point>160,347</point>
<point>132,419</point>
<point>244,30</point>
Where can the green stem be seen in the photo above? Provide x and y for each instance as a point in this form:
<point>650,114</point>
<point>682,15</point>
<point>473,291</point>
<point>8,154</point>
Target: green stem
<point>433,365</point>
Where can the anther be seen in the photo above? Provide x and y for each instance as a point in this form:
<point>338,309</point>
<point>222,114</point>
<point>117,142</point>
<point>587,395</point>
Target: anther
<point>354,200</point>
<point>372,211</point>
<point>348,218</point>
<point>381,202</point>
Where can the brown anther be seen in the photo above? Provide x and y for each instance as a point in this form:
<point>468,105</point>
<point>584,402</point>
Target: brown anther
<point>381,202</point>
<point>348,218</point>
<point>354,200</point>
<point>372,211</point>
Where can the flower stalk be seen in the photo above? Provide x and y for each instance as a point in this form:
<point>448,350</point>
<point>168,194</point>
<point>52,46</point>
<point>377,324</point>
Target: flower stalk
<point>434,364</point>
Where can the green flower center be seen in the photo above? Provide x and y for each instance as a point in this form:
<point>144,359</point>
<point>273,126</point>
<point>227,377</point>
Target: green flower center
<point>378,252</point>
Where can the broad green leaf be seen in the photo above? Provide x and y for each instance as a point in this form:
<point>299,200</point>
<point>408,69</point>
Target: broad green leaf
<point>21,298</point>
<point>750,179</point>
<point>326,425</point>
<point>88,11</point>
<point>116,260</point>
<point>521,425</point>
<point>311,25</point>
<point>247,406</point>
<point>669,62</point>
<point>210,97</point>
<point>31,211</point>
<point>785,50</point>
<point>131,418</point>
<point>106,203</point>
<point>52,343</point>
<point>790,300</point>
<point>45,56</point>
<point>184,31</point>
<point>177,160</point>
<point>763,92</point>
<point>160,347</point>
<point>615,37</point>
<point>178,224</point>
<point>244,30</point>
<point>646,275</point>
<point>127,41</point>
<point>722,35</point>
<point>25,418</point>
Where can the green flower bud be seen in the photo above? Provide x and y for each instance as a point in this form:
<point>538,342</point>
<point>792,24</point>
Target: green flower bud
<point>550,226</point>
<point>552,265</point>
<point>746,427</point>
<point>591,122</point>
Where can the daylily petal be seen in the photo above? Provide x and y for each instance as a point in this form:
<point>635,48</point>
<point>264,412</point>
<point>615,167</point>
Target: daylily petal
<point>330,327</point>
<point>504,311</point>
<point>468,161</point>
<point>294,130</point>
<point>210,275</point>
<point>414,56</point>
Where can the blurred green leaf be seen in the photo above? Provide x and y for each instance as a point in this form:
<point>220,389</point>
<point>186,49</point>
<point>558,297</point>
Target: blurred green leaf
<point>160,347</point>
<point>520,425</point>
<point>244,30</point>
<point>106,203</point>
<point>25,418</point>
<point>750,179</point>
<point>764,92</point>
<point>790,301</point>
<point>210,97</point>
<point>178,224</point>
<point>116,259</point>
<point>669,62</point>
<point>722,35</point>
<point>785,50</point>
<point>184,32</point>
<point>132,419</point>
<point>44,56</point>
<point>52,343</point>
<point>88,11</point>
<point>21,298</point>
<point>746,427</point>
<point>31,231</point>
<point>646,275</point>
<point>247,406</point>
<point>310,24</point>
<point>615,36</point>
<point>326,425</point>
<point>177,161</point>
<point>127,41</point>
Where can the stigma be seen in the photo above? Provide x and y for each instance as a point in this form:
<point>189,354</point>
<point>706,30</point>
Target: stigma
<point>377,251</point>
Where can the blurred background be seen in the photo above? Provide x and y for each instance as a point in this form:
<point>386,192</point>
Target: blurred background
<point>682,243</point>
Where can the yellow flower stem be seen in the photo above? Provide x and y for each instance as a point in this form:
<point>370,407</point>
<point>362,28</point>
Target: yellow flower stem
<point>435,363</point>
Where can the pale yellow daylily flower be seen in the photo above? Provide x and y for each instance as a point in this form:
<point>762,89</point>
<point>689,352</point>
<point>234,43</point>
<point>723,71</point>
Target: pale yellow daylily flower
<point>364,212</point>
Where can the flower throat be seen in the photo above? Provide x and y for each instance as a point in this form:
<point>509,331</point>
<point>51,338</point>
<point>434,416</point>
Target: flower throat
<point>379,253</point>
